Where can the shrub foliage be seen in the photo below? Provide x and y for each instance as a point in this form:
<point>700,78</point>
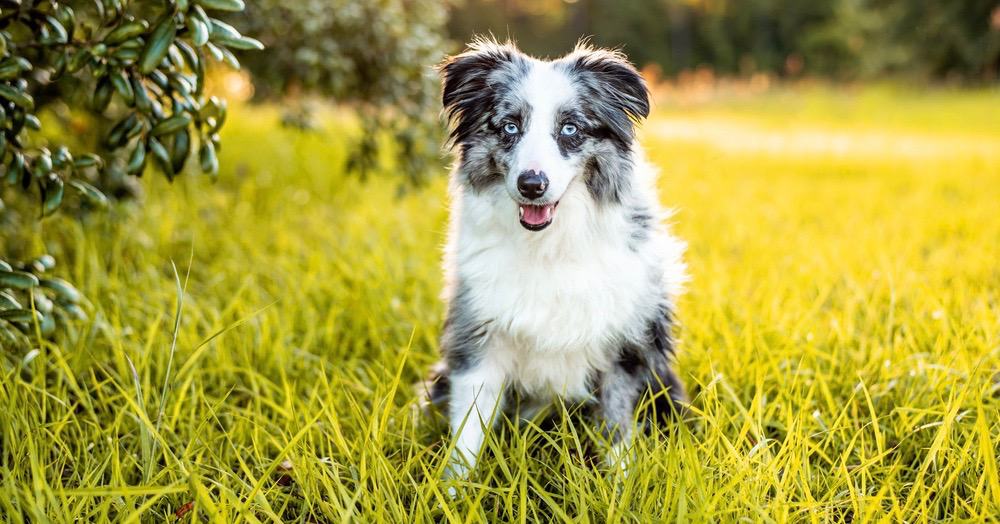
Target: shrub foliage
<point>134,69</point>
<point>377,55</point>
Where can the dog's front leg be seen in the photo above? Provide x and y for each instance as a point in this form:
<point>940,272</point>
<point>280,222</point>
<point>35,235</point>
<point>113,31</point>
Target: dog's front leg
<point>474,401</point>
<point>620,390</point>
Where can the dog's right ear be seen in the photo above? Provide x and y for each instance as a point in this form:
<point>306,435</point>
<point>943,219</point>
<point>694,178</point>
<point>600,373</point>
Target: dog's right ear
<point>470,84</point>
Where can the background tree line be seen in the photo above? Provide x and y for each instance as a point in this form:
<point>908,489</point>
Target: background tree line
<point>839,39</point>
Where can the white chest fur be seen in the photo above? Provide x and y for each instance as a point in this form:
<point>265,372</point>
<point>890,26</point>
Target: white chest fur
<point>560,301</point>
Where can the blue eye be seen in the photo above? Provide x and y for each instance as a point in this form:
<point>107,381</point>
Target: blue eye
<point>510,128</point>
<point>568,130</point>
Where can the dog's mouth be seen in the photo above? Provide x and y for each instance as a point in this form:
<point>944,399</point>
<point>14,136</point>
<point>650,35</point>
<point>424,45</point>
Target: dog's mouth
<point>536,218</point>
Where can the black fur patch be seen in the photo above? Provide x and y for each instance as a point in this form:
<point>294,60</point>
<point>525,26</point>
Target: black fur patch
<point>481,165</point>
<point>474,81</point>
<point>660,333</point>
<point>611,90</point>
<point>569,144</point>
<point>642,370</point>
<point>463,333</point>
<point>438,385</point>
<point>666,388</point>
<point>608,176</point>
<point>630,360</point>
<point>572,143</point>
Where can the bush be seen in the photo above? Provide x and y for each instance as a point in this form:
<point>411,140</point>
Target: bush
<point>376,55</point>
<point>136,71</point>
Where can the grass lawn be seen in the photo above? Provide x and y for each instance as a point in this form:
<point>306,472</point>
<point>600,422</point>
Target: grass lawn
<point>840,335</point>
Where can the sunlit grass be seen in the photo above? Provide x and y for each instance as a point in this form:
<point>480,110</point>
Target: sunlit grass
<point>841,334</point>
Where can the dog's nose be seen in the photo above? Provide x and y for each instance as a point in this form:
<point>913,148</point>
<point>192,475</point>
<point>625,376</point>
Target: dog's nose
<point>532,184</point>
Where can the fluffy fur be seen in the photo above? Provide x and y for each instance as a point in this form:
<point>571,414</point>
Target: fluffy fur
<point>578,307</point>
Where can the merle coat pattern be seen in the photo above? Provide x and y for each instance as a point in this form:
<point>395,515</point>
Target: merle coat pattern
<point>560,272</point>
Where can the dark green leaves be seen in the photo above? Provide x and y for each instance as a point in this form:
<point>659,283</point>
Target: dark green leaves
<point>158,44</point>
<point>220,30</point>
<point>64,291</point>
<point>102,95</point>
<point>137,161</point>
<point>29,301</point>
<point>87,160</point>
<point>79,60</point>
<point>7,301</point>
<point>149,80</point>
<point>179,150</point>
<point>142,101</point>
<point>17,279</point>
<point>207,159</point>
<point>123,130</point>
<point>135,91</point>
<point>162,157</point>
<point>52,194</point>
<point>171,125</point>
<point>222,5</point>
<point>53,32</point>
<point>18,97</point>
<point>198,31</point>
<point>126,31</point>
<point>43,164</point>
<point>18,315</point>
<point>243,43</point>
<point>90,193</point>
<point>123,87</point>
<point>13,66</point>
<point>227,36</point>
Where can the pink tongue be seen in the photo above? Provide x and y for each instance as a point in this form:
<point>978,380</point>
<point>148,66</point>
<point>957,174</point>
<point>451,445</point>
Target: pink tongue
<point>536,215</point>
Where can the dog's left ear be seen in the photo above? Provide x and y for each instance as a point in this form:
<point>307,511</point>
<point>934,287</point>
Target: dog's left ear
<point>616,89</point>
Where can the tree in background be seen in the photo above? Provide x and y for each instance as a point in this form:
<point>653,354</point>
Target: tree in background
<point>375,55</point>
<point>125,80</point>
<point>841,39</point>
<point>948,38</point>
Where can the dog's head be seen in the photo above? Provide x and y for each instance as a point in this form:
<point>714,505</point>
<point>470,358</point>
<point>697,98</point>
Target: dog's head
<point>537,126</point>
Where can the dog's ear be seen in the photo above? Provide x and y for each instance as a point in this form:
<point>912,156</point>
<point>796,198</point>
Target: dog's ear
<point>613,87</point>
<point>470,84</point>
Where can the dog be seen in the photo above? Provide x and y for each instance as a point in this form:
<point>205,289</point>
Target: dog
<point>560,272</point>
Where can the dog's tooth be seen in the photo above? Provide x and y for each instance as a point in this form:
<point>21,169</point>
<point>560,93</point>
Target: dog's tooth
<point>520,211</point>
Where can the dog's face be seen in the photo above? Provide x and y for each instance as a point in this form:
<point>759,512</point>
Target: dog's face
<point>536,127</point>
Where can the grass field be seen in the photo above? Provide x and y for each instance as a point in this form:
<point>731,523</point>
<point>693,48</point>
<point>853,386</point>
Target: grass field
<point>840,334</point>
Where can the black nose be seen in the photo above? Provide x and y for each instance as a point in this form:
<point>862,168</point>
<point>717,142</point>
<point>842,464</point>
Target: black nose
<point>532,184</point>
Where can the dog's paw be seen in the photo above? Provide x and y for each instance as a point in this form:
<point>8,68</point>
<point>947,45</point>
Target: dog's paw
<point>457,469</point>
<point>452,479</point>
<point>619,458</point>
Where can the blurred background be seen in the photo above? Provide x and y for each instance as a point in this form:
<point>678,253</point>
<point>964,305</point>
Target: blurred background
<point>377,57</point>
<point>937,40</point>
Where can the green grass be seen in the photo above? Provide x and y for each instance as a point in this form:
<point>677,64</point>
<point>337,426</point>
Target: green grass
<point>841,335</point>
